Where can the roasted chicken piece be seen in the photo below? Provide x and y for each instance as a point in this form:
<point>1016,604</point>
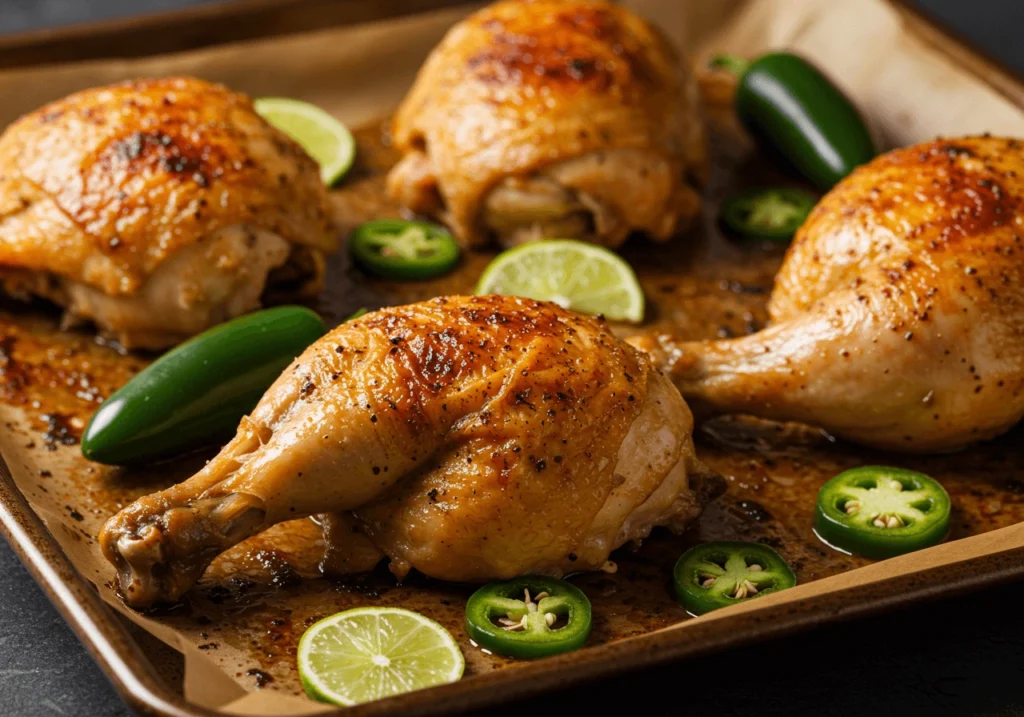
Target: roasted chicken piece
<point>470,438</point>
<point>157,208</point>
<point>551,119</point>
<point>898,314</point>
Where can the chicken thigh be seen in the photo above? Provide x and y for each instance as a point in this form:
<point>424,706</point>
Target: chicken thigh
<point>551,119</point>
<point>470,438</point>
<point>157,208</point>
<point>898,314</point>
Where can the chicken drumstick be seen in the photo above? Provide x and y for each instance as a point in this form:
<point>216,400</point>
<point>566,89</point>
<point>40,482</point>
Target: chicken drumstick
<point>470,438</point>
<point>898,314</point>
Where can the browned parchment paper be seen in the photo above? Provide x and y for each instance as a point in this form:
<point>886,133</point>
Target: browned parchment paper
<point>908,89</point>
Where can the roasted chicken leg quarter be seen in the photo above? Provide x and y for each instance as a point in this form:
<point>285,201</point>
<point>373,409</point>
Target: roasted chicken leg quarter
<point>552,119</point>
<point>157,208</point>
<point>471,438</point>
<point>898,314</point>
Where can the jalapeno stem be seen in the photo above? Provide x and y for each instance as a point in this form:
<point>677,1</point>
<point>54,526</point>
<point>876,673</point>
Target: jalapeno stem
<point>730,63</point>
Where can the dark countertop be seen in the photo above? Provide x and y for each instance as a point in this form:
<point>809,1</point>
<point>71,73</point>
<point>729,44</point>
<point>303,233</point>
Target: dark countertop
<point>962,656</point>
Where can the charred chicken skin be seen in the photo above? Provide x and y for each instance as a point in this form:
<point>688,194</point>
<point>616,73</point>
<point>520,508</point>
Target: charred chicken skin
<point>551,118</point>
<point>471,438</point>
<point>898,314</point>
<point>157,208</point>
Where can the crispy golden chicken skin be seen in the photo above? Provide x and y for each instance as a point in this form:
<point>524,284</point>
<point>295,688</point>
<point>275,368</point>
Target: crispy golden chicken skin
<point>551,118</point>
<point>471,438</point>
<point>898,314</point>
<point>157,208</point>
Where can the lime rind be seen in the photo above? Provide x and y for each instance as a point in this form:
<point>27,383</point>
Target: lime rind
<point>370,653</point>
<point>323,137</point>
<point>573,274</point>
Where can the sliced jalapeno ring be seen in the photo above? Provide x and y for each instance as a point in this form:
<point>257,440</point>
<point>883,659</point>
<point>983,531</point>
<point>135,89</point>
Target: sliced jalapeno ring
<point>773,214</point>
<point>529,617</point>
<point>399,249</point>
<point>880,512</point>
<point>715,575</point>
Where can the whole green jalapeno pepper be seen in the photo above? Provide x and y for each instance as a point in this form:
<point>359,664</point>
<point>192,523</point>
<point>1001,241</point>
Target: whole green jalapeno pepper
<point>196,393</point>
<point>785,100</point>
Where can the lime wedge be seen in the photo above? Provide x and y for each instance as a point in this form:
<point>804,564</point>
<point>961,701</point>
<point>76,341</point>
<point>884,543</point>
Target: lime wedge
<point>326,139</point>
<point>573,274</point>
<point>373,652</point>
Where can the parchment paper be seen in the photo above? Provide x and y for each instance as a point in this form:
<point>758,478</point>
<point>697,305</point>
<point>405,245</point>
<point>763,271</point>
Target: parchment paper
<point>909,90</point>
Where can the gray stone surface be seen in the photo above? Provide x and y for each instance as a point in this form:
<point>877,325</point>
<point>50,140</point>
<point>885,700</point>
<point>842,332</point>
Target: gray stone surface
<point>960,657</point>
<point>21,15</point>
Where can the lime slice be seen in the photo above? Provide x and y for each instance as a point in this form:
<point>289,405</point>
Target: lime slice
<point>373,652</point>
<point>573,274</point>
<point>326,139</point>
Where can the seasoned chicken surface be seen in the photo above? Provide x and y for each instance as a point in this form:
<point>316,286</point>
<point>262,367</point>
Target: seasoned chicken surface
<point>898,314</point>
<point>551,119</point>
<point>470,438</point>
<point>157,208</point>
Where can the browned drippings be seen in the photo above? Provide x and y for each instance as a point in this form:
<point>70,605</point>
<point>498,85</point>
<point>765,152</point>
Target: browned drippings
<point>262,678</point>
<point>256,600</point>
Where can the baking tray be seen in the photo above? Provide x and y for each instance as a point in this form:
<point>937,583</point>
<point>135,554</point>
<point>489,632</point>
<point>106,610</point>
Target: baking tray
<point>146,676</point>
